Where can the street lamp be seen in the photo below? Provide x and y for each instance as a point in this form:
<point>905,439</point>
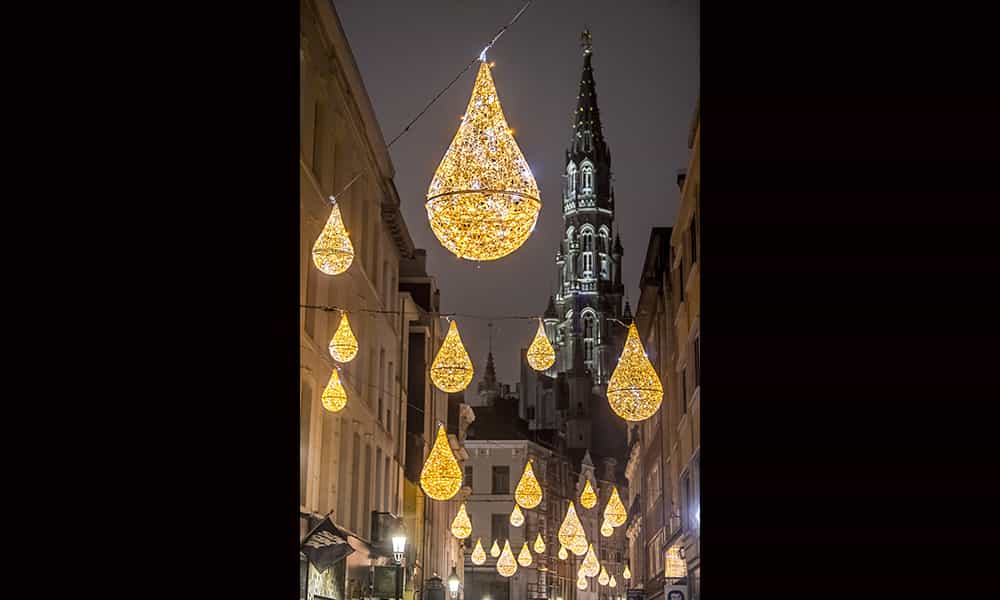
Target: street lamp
<point>453,583</point>
<point>398,546</point>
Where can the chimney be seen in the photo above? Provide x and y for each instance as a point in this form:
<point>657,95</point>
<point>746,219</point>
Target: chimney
<point>681,176</point>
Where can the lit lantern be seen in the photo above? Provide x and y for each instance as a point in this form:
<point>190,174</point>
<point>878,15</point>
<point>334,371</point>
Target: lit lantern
<point>333,252</point>
<point>524,556</point>
<point>563,555</point>
<point>539,544</point>
<point>582,583</point>
<point>334,396</point>
<point>540,354</point>
<point>495,550</point>
<point>461,527</point>
<point>603,578</point>
<point>516,517</point>
<point>452,370</point>
<point>626,574</point>
<point>614,512</point>
<point>483,201</point>
<point>571,533</point>
<point>343,345</point>
<point>590,564</point>
<point>506,565</point>
<point>606,529</point>
<point>441,476</point>
<point>478,554</point>
<point>612,583</point>
<point>528,492</point>
<point>588,498</point>
<point>634,390</point>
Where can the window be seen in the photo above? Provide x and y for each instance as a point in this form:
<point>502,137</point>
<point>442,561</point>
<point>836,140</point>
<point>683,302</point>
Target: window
<point>605,271</point>
<point>468,476</point>
<point>385,282</point>
<point>355,471</point>
<point>378,479</point>
<point>501,480</point>
<point>588,179</point>
<point>389,492</point>
<point>531,413</point>
<point>686,500</point>
<point>372,382</point>
<point>500,526</point>
<point>588,350</point>
<point>367,493</point>
<point>694,239</point>
<point>378,382</point>
<point>570,181</point>
<point>388,392</point>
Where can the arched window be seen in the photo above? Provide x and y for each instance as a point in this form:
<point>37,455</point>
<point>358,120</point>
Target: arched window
<point>589,334</point>
<point>588,178</point>
<point>571,180</point>
<point>587,247</point>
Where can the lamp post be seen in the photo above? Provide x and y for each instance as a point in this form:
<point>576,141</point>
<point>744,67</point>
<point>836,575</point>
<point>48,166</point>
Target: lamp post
<point>453,583</point>
<point>398,549</point>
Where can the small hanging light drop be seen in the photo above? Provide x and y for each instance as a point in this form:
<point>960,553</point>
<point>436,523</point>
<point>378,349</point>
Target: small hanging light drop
<point>539,544</point>
<point>606,529</point>
<point>626,574</point>
<point>334,396</point>
<point>343,345</point>
<point>612,583</point>
<point>441,476</point>
<point>528,492</point>
<point>634,390</point>
<point>506,565</point>
<point>541,355</point>
<point>588,498</point>
<point>614,512</point>
<point>571,533</point>
<point>582,583</point>
<point>590,564</point>
<point>524,556</point>
<point>483,202</point>
<point>478,554</point>
<point>452,370</point>
<point>333,252</point>
<point>516,517</point>
<point>461,527</point>
<point>603,578</point>
<point>563,554</point>
<point>495,550</point>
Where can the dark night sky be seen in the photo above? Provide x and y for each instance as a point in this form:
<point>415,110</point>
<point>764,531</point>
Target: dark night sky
<point>646,72</point>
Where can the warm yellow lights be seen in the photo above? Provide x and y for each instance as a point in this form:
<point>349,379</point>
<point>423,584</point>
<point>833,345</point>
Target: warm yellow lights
<point>524,556</point>
<point>506,565</point>
<point>540,354</point>
<point>539,544</point>
<point>614,512</point>
<point>563,555</point>
<point>495,550</point>
<point>626,574</point>
<point>333,252</point>
<point>606,529</point>
<point>441,476</point>
<point>461,527</point>
<point>571,533</point>
<point>674,567</point>
<point>478,554</point>
<point>634,390</point>
<point>603,578</point>
<point>612,583</point>
<point>334,396</point>
<point>590,565</point>
<point>343,346</point>
<point>582,583</point>
<point>483,201</point>
<point>452,370</point>
<point>516,517</point>
<point>588,498</point>
<point>528,492</point>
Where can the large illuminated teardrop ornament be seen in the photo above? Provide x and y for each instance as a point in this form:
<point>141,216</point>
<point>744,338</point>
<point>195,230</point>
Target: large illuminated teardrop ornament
<point>571,533</point>
<point>495,550</point>
<point>478,554</point>
<point>540,353</point>
<point>539,544</point>
<point>626,574</point>
<point>334,396</point>
<point>612,583</point>
<point>516,517</point>
<point>333,252</point>
<point>590,564</point>
<point>506,565</point>
<point>343,345</point>
<point>461,527</point>
<point>452,370</point>
<point>524,556</point>
<point>588,498</point>
<point>528,492</point>
<point>614,512</point>
<point>483,201</point>
<point>441,476</point>
<point>634,390</point>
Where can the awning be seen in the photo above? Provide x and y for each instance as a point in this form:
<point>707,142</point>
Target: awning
<point>325,545</point>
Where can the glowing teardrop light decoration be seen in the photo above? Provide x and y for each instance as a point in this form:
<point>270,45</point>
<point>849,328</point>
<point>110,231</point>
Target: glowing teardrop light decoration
<point>506,565</point>
<point>478,554</point>
<point>516,517</point>
<point>343,346</point>
<point>539,544</point>
<point>524,556</point>
<point>588,498</point>
<point>495,550</point>
<point>483,201</point>
<point>571,533</point>
<point>528,492</point>
<point>582,583</point>
<point>612,583</point>
<point>603,578</point>
<point>563,555</point>
<point>334,396</point>
<point>541,355</point>
<point>461,527</point>
<point>333,252</point>
<point>452,370</point>
<point>441,476</point>
<point>634,390</point>
<point>606,529</point>
<point>614,512</point>
<point>590,564</point>
<point>626,574</point>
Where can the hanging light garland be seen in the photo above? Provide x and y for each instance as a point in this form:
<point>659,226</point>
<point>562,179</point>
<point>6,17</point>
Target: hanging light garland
<point>495,550</point>
<point>506,565</point>
<point>333,252</point>
<point>343,345</point>
<point>588,498</point>
<point>452,370</point>
<point>478,554</point>
<point>441,476</point>
<point>606,529</point>
<point>626,574</point>
<point>516,517</point>
<point>590,564</point>
<point>603,578</point>
<point>461,527</point>
<point>634,390</point>
<point>614,512</point>
<point>539,544</point>
<point>334,396</point>
<point>528,492</point>
<point>541,355</point>
<point>612,583</point>
<point>483,201</point>
<point>524,556</point>
<point>571,533</point>
<point>563,554</point>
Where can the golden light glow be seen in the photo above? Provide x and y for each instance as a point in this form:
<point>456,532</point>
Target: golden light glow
<point>614,512</point>
<point>603,578</point>
<point>634,390</point>
<point>612,583</point>
<point>528,492</point>
<point>563,554</point>
<point>506,565</point>
<point>461,527</point>
<point>524,556</point>
<point>452,370</point>
<point>495,550</point>
<point>581,583</point>
<point>333,252</point>
<point>441,476</point>
<point>334,396</point>
<point>606,529</point>
<point>588,498</point>
<point>483,201</point>
<point>343,345</point>
<point>590,564</point>
<point>571,533</point>
<point>516,517</point>
<point>675,567</point>
<point>626,574</point>
<point>539,544</point>
<point>478,554</point>
<point>540,354</point>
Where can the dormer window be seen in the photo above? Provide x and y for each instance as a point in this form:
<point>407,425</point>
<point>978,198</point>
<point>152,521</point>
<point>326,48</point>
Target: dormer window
<point>588,178</point>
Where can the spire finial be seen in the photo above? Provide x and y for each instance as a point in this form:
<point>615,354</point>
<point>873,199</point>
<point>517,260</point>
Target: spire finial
<point>586,40</point>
